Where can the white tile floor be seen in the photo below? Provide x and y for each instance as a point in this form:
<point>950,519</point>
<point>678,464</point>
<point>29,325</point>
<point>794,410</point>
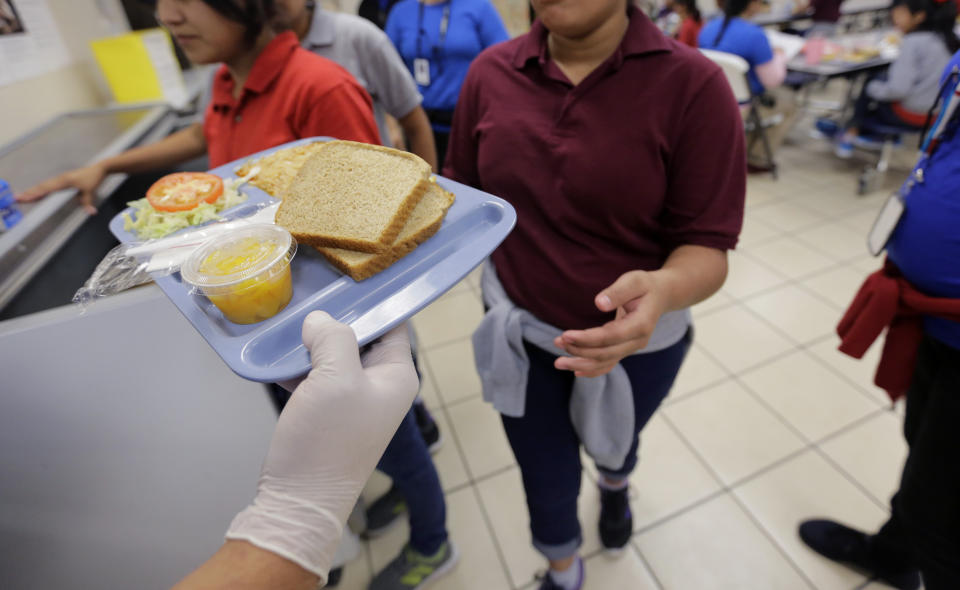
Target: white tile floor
<point>767,425</point>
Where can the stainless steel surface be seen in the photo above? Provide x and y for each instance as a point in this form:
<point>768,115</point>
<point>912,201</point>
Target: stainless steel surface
<point>66,142</point>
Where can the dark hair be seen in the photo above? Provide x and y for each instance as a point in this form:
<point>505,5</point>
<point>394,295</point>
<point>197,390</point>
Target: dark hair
<point>941,17</point>
<point>731,10</point>
<point>691,7</point>
<point>254,15</point>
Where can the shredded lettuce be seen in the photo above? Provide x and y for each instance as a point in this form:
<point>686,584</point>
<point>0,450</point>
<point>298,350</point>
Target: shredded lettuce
<point>148,223</point>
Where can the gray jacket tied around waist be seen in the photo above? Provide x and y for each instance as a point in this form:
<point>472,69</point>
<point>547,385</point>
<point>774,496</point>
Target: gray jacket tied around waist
<point>601,408</point>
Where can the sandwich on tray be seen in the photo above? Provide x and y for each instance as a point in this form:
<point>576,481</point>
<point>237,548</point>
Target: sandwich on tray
<point>363,206</point>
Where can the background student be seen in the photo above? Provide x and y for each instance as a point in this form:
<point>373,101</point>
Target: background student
<point>903,96</point>
<point>438,39</point>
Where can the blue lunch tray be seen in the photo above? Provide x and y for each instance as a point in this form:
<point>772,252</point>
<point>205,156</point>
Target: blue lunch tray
<point>272,350</point>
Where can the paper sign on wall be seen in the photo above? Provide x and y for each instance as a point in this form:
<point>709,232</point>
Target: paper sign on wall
<point>30,43</point>
<point>141,67</point>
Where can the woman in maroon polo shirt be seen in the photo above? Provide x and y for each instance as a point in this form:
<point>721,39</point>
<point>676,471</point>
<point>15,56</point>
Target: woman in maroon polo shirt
<point>622,152</point>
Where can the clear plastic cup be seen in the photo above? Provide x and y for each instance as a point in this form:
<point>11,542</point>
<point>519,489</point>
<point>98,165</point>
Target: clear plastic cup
<point>245,273</point>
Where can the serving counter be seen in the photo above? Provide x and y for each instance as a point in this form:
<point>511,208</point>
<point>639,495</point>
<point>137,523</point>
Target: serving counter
<point>65,142</point>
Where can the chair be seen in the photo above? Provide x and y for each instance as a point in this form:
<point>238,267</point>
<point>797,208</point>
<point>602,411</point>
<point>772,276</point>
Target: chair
<point>735,68</point>
<point>890,136</point>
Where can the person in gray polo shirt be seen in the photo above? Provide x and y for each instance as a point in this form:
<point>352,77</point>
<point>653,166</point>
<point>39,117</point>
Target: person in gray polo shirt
<point>367,53</point>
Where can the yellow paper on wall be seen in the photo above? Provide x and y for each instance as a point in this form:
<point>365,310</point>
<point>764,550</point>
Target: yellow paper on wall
<point>140,66</point>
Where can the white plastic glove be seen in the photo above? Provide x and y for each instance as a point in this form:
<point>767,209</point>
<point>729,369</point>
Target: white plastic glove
<point>328,441</point>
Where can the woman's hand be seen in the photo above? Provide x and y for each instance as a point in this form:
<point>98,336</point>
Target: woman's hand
<point>639,301</point>
<point>85,180</point>
<point>689,275</point>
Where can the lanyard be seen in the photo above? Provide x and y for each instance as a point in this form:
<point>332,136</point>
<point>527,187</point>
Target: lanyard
<point>444,25</point>
<point>948,112</point>
<point>889,217</point>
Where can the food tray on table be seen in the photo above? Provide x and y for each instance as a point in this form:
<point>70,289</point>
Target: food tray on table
<point>273,350</point>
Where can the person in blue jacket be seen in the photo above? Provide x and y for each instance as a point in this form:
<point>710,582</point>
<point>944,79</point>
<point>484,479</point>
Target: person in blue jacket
<point>438,40</point>
<point>921,538</point>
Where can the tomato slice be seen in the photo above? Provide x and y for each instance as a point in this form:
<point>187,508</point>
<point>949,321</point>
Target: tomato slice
<point>183,191</point>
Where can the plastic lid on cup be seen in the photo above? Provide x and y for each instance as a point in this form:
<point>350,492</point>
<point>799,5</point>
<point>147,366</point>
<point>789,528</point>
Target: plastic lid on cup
<point>231,258</point>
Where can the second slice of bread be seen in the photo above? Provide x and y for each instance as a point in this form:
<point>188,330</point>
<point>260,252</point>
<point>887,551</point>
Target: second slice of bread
<point>353,195</point>
<point>425,221</point>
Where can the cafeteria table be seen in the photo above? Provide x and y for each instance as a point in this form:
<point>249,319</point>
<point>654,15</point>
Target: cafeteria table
<point>849,11</point>
<point>803,74</point>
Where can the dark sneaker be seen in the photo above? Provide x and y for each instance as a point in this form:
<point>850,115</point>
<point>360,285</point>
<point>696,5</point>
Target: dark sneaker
<point>616,520</point>
<point>854,548</point>
<point>546,583</point>
<point>333,578</point>
<point>428,427</point>
<point>411,570</point>
<point>385,512</point>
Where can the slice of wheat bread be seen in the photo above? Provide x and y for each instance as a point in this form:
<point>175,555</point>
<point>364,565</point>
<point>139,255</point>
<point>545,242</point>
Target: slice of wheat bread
<point>425,221</point>
<point>353,195</point>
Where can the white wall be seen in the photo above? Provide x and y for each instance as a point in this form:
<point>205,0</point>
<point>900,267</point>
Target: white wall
<point>30,102</point>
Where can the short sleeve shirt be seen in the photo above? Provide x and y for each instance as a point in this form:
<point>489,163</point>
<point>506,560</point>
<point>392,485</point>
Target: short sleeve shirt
<point>289,94</point>
<point>643,156</point>
<point>741,38</point>
<point>367,53</point>
<point>474,25</point>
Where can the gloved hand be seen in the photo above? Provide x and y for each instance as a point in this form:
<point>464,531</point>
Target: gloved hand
<point>327,443</point>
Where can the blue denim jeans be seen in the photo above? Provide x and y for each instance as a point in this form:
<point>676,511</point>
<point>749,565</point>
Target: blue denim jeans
<point>547,447</point>
<point>869,113</point>
<point>407,461</point>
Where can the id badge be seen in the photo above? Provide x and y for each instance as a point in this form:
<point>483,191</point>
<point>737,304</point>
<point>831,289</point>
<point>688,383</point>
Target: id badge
<point>421,71</point>
<point>885,224</point>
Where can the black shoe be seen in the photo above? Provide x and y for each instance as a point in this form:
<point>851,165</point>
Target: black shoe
<point>547,583</point>
<point>333,578</point>
<point>616,520</point>
<point>428,427</point>
<point>854,548</point>
<point>385,512</point>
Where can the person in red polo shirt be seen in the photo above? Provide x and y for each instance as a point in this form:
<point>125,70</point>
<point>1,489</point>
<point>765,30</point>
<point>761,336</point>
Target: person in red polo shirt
<point>622,152</point>
<point>267,92</point>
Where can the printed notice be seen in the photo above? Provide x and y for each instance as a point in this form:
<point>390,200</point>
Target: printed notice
<point>141,67</point>
<point>30,43</point>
